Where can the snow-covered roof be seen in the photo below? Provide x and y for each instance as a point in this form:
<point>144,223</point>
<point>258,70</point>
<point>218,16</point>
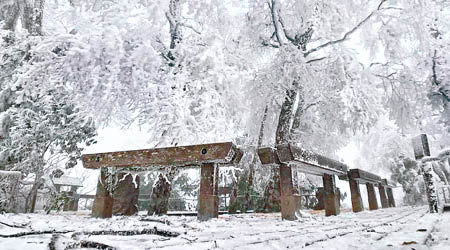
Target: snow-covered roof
<point>67,181</point>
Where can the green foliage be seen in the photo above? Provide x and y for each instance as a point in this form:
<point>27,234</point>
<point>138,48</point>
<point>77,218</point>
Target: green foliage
<point>56,201</point>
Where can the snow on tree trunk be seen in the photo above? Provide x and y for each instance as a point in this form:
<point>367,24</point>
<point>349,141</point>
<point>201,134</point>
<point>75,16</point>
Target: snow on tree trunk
<point>427,172</point>
<point>282,136</point>
<point>286,115</point>
<point>33,12</point>
<point>159,201</point>
<point>422,153</point>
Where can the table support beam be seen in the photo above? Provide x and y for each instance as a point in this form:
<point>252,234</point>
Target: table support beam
<point>208,202</point>
<point>331,198</point>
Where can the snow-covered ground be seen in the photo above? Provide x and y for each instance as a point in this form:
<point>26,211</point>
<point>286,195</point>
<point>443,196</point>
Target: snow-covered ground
<point>393,228</point>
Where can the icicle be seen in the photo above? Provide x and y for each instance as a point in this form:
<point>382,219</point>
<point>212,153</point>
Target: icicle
<point>134,180</point>
<point>146,178</point>
<point>124,177</point>
<point>214,178</point>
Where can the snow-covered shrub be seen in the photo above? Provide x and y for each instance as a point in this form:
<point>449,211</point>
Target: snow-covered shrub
<point>407,173</point>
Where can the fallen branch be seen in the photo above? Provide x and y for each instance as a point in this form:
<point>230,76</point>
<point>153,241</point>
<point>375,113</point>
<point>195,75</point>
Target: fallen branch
<point>154,231</point>
<point>33,233</point>
<point>12,225</point>
<point>88,244</point>
<point>167,222</point>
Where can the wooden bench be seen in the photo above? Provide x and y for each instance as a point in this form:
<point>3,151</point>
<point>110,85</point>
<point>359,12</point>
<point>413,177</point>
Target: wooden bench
<point>206,156</point>
<point>287,156</point>
<point>357,176</point>
<point>387,185</point>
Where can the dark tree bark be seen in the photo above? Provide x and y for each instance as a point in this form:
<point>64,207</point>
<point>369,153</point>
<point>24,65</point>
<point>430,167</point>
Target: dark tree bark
<point>9,13</point>
<point>126,195</point>
<point>427,173</point>
<point>32,196</point>
<point>282,136</point>
<point>272,196</point>
<point>286,115</point>
<point>173,16</point>
<point>32,14</point>
<point>232,209</point>
<point>159,201</point>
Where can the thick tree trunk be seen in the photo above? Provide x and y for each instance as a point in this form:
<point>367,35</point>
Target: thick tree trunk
<point>286,115</point>
<point>272,196</point>
<point>159,201</point>
<point>33,12</point>
<point>232,208</point>
<point>9,13</point>
<point>430,187</point>
<point>282,136</point>
<point>299,112</point>
<point>32,196</point>
<point>126,195</point>
<point>247,176</point>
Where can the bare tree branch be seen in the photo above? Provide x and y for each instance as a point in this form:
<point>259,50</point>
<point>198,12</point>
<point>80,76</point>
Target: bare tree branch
<point>269,44</point>
<point>273,9</point>
<point>190,27</point>
<point>317,59</point>
<point>435,81</point>
<point>347,34</point>
<point>280,19</point>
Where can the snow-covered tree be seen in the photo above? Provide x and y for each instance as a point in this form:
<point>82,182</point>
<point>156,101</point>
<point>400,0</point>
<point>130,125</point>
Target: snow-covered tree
<point>42,123</point>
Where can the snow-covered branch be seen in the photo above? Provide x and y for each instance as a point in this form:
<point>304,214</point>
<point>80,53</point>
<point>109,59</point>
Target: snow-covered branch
<point>347,34</point>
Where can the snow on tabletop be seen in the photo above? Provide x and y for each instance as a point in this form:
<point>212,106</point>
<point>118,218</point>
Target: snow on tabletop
<point>392,228</point>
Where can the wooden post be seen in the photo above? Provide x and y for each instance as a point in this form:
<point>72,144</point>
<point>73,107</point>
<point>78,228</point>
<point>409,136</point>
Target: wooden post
<point>390,196</point>
<point>208,202</point>
<point>383,198</point>
<point>290,203</point>
<point>355,192</point>
<point>373,204</point>
<point>331,199</point>
<point>103,203</point>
